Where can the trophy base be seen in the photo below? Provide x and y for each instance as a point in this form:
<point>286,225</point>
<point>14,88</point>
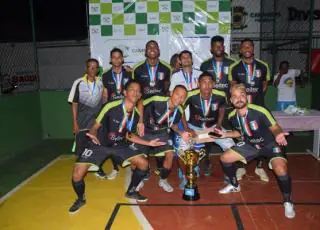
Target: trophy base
<point>191,194</point>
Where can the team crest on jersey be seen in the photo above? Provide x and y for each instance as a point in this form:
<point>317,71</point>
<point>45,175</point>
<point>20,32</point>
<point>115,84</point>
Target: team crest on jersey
<point>214,106</point>
<point>258,73</point>
<point>253,125</point>
<point>226,69</point>
<point>276,150</point>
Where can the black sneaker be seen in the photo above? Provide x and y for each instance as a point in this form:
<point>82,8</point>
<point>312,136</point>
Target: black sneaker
<point>136,196</point>
<point>101,174</point>
<point>76,206</point>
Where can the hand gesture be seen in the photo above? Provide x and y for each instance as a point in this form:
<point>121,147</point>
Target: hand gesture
<point>281,139</point>
<point>156,143</point>
<point>140,129</point>
<point>93,138</point>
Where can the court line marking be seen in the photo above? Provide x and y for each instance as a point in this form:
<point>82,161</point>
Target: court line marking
<point>233,206</point>
<point>135,209</point>
<point>16,188</point>
<point>236,216</point>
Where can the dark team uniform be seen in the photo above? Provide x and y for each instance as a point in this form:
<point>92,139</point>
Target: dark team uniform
<point>204,113</point>
<point>115,83</point>
<point>152,79</point>
<point>253,77</point>
<point>258,140</point>
<point>115,124</point>
<point>219,71</point>
<point>158,120</point>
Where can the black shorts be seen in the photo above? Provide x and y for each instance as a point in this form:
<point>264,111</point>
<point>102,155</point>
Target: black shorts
<point>80,141</point>
<point>249,152</point>
<point>161,150</point>
<point>97,154</point>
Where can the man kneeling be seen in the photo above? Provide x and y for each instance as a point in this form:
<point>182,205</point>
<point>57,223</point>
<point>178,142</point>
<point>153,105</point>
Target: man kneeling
<point>114,126</point>
<point>261,136</point>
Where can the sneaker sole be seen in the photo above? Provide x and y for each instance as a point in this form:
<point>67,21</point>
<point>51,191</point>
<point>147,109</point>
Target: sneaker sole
<point>233,191</point>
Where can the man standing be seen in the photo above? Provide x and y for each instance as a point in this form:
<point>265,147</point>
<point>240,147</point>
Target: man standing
<point>161,115</point>
<point>153,75</point>
<point>254,74</point>
<point>87,96</point>
<point>115,124</point>
<point>207,112</point>
<point>285,82</point>
<point>261,136</point>
<point>187,76</point>
<point>114,81</point>
<point>218,65</point>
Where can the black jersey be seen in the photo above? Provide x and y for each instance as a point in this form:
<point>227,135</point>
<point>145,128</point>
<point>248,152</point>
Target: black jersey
<point>220,71</point>
<point>115,83</point>
<point>116,122</point>
<point>254,126</point>
<point>152,79</point>
<point>204,113</point>
<point>157,115</point>
<point>252,76</point>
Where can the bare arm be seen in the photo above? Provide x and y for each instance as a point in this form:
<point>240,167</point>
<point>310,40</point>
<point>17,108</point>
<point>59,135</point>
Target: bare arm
<point>138,140</point>
<point>264,86</point>
<point>221,116</point>
<point>279,135</point>
<point>104,98</point>
<point>277,81</point>
<point>74,108</point>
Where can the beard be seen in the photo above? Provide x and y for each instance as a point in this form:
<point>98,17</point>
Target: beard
<point>240,105</point>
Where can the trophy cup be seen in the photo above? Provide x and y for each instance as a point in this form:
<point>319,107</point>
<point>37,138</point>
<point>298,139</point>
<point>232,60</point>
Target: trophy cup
<point>190,157</point>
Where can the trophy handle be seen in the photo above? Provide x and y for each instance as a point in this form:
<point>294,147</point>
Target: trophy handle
<point>183,160</point>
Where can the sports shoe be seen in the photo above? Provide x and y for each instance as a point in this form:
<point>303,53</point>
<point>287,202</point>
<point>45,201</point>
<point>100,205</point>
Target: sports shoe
<point>114,173</point>
<point>226,180</point>
<point>229,189</point>
<point>100,174</point>
<point>163,183</point>
<point>207,170</point>
<point>77,205</point>
<point>289,210</point>
<point>262,174</point>
<point>136,196</point>
<point>240,173</point>
<point>140,186</point>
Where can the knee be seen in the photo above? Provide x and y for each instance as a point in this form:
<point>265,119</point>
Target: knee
<point>78,173</point>
<point>280,170</point>
<point>140,163</point>
<point>224,158</point>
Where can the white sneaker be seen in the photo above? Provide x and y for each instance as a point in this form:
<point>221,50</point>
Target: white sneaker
<point>140,186</point>
<point>229,189</point>
<point>289,210</point>
<point>240,173</point>
<point>113,174</point>
<point>262,174</point>
<point>165,185</point>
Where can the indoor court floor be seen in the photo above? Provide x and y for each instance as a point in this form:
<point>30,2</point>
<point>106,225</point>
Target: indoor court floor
<point>42,201</point>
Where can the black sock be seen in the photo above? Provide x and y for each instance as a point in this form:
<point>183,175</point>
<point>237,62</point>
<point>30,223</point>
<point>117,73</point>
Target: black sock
<point>207,156</point>
<point>115,166</point>
<point>164,173</point>
<point>159,161</point>
<point>137,177</point>
<point>285,187</point>
<point>230,172</point>
<point>79,188</point>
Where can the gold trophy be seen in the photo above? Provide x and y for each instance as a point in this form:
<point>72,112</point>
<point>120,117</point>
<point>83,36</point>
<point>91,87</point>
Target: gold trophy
<point>191,158</point>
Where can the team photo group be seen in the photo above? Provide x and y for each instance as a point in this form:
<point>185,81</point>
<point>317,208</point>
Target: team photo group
<point>134,115</point>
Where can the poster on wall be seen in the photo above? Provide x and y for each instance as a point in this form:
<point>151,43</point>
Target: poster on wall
<point>176,25</point>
